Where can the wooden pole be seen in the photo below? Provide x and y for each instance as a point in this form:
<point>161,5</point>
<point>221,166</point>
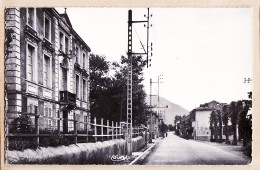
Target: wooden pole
<point>75,128</point>
<point>37,126</point>
<point>95,128</point>
<point>87,126</point>
<point>102,130</point>
<point>58,123</point>
<point>116,131</point>
<point>112,130</point>
<point>108,129</point>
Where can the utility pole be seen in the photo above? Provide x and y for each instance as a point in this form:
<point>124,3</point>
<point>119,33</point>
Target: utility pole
<point>160,80</point>
<point>130,55</point>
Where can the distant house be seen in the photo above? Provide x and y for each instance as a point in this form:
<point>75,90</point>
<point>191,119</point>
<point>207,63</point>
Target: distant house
<point>200,117</point>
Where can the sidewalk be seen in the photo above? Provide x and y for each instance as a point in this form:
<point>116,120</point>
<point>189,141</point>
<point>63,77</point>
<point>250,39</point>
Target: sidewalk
<point>144,152</point>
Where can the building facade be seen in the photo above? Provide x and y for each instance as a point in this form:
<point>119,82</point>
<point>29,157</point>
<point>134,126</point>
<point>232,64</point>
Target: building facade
<point>200,118</point>
<point>46,69</point>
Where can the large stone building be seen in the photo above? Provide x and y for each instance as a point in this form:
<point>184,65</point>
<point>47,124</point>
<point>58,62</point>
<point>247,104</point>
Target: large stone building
<point>47,69</point>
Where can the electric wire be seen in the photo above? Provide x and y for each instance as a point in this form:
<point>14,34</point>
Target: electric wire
<point>139,40</point>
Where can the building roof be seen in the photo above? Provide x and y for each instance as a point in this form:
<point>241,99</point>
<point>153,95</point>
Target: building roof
<point>65,18</point>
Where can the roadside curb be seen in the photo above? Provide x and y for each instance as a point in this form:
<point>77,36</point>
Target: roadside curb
<point>143,155</point>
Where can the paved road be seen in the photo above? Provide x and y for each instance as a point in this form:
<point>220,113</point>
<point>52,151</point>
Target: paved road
<point>174,150</point>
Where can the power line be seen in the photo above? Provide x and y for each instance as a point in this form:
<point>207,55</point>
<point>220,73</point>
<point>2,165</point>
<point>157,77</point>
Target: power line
<point>139,40</point>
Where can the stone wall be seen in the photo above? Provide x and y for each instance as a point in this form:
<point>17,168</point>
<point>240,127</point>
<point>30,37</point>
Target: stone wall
<point>84,153</point>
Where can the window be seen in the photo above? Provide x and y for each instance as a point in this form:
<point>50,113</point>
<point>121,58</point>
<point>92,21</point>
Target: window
<point>66,45</point>
<point>47,28</point>
<point>77,86</point>
<point>77,54</point>
<point>71,123</point>
<point>31,66</point>
<point>46,110</point>
<point>47,71</point>
<point>85,122</point>
<point>84,62</point>
<point>31,17</point>
<point>32,109</point>
<point>50,118</point>
<point>84,90</point>
<point>61,41</point>
<point>64,79</point>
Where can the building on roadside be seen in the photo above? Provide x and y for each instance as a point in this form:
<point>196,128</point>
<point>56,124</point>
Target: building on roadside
<point>200,117</point>
<point>47,69</point>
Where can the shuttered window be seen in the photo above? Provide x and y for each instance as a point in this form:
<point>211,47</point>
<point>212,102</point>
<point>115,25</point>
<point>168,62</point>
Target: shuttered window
<point>30,62</point>
<point>47,29</point>
<point>77,87</point>
<point>84,90</point>
<point>46,71</point>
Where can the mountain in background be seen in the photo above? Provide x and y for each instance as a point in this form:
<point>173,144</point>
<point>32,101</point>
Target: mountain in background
<point>170,112</point>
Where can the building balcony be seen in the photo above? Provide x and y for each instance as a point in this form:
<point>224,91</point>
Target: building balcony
<point>85,73</point>
<point>69,99</point>
<point>47,45</point>
<point>77,68</point>
<point>31,34</point>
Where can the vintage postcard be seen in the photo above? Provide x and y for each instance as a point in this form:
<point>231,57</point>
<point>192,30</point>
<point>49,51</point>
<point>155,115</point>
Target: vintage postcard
<point>130,85</point>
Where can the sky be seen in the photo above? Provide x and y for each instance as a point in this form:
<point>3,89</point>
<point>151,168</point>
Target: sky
<point>204,54</point>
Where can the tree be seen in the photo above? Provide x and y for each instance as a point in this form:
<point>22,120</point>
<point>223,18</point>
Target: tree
<point>176,119</point>
<point>219,118</point>
<point>234,116</point>
<point>139,106</point>
<point>246,122</point>
<point>170,127</point>
<point>99,84</point>
<point>225,118</point>
<point>213,125</point>
<point>108,89</point>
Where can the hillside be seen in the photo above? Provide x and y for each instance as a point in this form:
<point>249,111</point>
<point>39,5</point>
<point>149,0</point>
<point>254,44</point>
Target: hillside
<point>170,112</point>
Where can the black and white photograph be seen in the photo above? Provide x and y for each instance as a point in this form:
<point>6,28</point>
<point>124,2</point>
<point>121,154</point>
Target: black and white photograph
<point>128,86</point>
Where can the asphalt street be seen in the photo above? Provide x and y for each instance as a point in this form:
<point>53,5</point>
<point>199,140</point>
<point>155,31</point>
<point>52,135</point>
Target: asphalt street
<point>174,150</point>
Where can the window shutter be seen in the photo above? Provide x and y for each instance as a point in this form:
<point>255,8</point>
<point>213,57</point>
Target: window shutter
<point>46,111</point>
<point>32,108</point>
<point>29,109</point>
<point>50,113</point>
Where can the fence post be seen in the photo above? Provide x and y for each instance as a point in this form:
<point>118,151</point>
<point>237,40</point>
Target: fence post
<point>87,127</point>
<point>108,130</point>
<point>116,131</point>
<point>95,128</point>
<point>75,128</point>
<point>138,131</point>
<point>58,123</point>
<point>102,129</point>
<point>112,130</point>
<point>37,126</point>
<point>120,130</point>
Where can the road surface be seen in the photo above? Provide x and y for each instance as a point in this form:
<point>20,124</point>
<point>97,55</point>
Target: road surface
<point>174,150</point>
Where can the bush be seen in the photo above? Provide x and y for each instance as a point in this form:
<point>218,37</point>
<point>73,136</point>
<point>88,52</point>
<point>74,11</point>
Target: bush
<point>22,124</point>
<point>56,138</point>
<point>21,144</point>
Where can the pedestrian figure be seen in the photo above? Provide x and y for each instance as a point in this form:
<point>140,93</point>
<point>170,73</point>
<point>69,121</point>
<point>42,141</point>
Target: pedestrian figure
<point>166,134</point>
